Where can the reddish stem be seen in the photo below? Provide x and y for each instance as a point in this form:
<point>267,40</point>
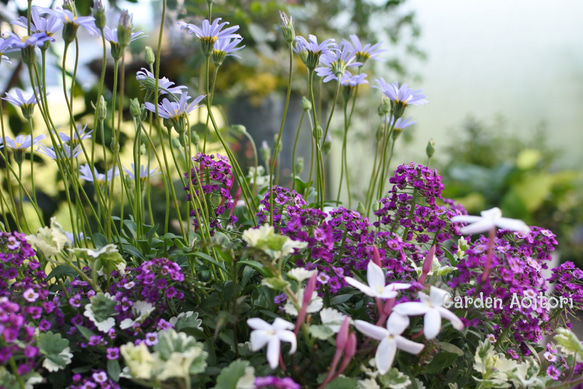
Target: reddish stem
<point>490,254</point>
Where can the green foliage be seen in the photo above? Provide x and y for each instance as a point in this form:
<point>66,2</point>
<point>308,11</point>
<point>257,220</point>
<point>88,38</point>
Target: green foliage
<point>489,167</point>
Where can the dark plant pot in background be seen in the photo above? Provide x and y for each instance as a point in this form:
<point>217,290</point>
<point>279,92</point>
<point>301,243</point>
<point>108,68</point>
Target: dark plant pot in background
<point>263,121</point>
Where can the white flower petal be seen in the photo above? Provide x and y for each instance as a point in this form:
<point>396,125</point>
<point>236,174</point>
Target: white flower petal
<point>512,225</point>
<point>259,339</point>
<point>412,308</point>
<point>258,324</point>
<point>431,324</point>
<point>397,323</point>
<point>455,321</point>
<point>273,352</point>
<point>480,226</point>
<point>385,354</point>
<point>375,277</point>
<point>465,219</point>
<point>290,337</point>
<point>370,330</point>
<point>360,286</point>
<point>408,345</point>
<point>437,296</point>
<point>280,324</point>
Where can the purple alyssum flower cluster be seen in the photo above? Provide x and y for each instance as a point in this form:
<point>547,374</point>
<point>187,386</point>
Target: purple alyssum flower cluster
<point>211,181</point>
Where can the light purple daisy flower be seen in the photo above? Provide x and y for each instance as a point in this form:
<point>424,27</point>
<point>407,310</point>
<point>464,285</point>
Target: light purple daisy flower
<point>352,80</point>
<point>92,175</point>
<point>403,94</point>
<point>78,135</point>
<point>211,32</point>
<point>148,82</point>
<point>49,25</point>
<point>312,45</point>
<point>34,40</point>
<point>366,52</point>
<point>65,152</point>
<point>310,50</point>
<point>19,100</point>
<point>226,47</point>
<point>171,110</point>
<point>21,142</point>
<point>336,62</point>
<point>401,123</point>
<point>110,35</point>
<point>68,17</point>
<point>401,97</point>
<point>144,172</point>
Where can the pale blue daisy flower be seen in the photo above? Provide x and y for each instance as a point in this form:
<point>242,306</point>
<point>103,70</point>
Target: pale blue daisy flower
<point>21,142</point>
<point>144,172</point>
<point>366,52</point>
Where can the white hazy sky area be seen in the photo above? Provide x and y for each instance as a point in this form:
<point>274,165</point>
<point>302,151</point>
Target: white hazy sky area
<point>521,59</point>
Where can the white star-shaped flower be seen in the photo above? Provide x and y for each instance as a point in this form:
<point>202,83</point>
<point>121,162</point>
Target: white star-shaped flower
<point>490,218</point>
<point>390,338</point>
<point>432,307</point>
<point>377,286</point>
<point>271,335</point>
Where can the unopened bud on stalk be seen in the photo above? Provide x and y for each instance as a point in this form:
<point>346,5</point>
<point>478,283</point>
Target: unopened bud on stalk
<point>430,149</point>
<point>150,57</point>
<point>99,14</point>
<point>101,109</point>
<point>135,108</point>
<point>69,5</point>
<point>360,208</point>
<point>176,143</point>
<point>114,145</point>
<point>342,336</point>
<point>265,151</point>
<point>299,165</point>
<point>124,29</point>
<point>379,133</point>
<point>385,107</point>
<point>287,27</point>
<point>238,129</point>
<point>306,104</point>
<point>427,264</point>
<point>376,257</point>
<point>327,145</point>
<point>19,156</point>
<point>194,138</point>
<point>396,132</point>
<point>319,132</point>
<point>29,55</point>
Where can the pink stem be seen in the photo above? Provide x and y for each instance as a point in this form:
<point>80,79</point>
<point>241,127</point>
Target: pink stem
<point>490,254</point>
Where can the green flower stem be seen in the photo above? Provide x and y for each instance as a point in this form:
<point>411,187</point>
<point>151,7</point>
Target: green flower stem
<point>13,365</point>
<point>318,156</point>
<point>115,143</point>
<point>99,94</point>
<point>567,385</point>
<point>331,111</point>
<point>4,153</point>
<point>21,198</point>
<point>238,172</point>
<point>277,146</point>
<point>294,149</point>
<point>138,210</point>
<point>377,167</point>
<point>116,158</point>
<point>56,141</point>
<point>386,169</point>
<point>208,99</point>
<point>255,161</point>
<point>343,161</point>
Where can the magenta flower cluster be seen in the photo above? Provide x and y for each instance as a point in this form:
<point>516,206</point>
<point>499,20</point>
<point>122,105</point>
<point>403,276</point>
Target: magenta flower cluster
<point>213,179</point>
